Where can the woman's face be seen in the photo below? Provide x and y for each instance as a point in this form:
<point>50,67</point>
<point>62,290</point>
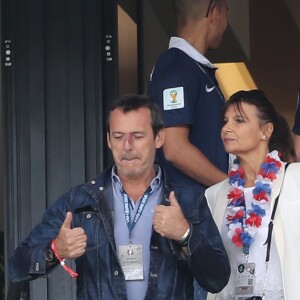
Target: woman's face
<point>242,132</point>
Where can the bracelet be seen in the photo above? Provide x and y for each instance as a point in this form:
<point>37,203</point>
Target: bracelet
<point>184,239</point>
<point>62,261</point>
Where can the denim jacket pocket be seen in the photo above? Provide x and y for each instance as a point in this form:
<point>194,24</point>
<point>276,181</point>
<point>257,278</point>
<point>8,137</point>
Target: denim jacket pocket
<point>88,219</point>
<point>190,202</point>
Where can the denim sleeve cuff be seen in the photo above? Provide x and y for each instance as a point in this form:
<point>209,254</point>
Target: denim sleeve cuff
<point>38,262</point>
<point>38,265</point>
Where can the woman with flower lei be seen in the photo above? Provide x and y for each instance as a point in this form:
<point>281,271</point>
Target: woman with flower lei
<point>243,204</point>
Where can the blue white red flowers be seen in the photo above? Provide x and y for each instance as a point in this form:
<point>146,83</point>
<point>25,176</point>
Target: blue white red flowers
<point>242,223</point>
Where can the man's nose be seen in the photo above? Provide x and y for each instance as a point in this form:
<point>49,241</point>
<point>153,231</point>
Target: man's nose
<point>128,140</point>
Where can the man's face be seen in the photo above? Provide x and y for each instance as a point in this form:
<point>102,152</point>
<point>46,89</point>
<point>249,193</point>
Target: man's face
<point>133,143</point>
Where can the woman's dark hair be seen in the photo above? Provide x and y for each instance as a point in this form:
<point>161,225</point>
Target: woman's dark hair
<point>132,102</point>
<point>281,138</point>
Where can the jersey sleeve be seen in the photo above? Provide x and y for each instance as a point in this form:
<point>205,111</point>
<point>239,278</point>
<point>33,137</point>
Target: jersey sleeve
<point>174,89</point>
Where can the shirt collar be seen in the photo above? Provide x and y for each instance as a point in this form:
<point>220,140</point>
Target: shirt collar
<point>155,183</point>
<point>187,48</point>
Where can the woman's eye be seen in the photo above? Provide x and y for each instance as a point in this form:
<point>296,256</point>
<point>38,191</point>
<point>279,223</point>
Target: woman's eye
<point>240,120</point>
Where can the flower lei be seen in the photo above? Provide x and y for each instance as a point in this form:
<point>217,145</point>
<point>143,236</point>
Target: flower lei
<point>242,224</point>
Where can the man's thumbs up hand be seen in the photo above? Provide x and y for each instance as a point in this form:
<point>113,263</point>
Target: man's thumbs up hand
<point>173,200</point>
<point>70,242</point>
<point>169,221</point>
<point>68,221</point>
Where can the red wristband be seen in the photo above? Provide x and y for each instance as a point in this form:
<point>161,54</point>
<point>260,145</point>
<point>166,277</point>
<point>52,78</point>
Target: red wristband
<point>62,261</point>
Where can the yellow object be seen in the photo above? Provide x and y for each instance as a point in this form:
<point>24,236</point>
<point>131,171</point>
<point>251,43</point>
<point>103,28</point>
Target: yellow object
<point>233,77</point>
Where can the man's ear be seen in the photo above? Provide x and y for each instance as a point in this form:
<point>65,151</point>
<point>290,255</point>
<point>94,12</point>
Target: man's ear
<point>214,14</point>
<point>160,138</point>
<point>108,140</point>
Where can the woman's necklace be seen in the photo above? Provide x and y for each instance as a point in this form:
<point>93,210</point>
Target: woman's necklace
<point>243,224</point>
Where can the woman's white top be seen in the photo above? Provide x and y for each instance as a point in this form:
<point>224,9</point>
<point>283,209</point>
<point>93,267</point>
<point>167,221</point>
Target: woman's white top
<point>257,255</point>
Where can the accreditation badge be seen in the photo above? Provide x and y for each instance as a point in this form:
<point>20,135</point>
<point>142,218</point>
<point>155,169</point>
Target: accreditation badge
<point>131,260</point>
<point>245,280</point>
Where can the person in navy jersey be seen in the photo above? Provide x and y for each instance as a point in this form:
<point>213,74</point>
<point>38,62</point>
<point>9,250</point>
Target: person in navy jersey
<point>296,129</point>
<point>183,83</point>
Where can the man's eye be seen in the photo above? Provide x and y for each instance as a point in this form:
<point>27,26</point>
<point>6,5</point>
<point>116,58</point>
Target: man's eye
<point>138,136</point>
<point>118,137</point>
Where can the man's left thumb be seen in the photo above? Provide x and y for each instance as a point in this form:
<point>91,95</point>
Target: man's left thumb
<point>173,200</point>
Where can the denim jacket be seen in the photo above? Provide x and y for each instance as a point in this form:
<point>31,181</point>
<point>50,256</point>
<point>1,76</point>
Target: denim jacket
<point>100,274</point>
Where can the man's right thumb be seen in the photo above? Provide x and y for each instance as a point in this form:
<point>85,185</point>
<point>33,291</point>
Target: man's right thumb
<point>68,220</point>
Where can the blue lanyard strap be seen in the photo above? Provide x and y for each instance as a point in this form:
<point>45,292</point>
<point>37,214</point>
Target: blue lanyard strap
<point>246,249</point>
<point>138,213</point>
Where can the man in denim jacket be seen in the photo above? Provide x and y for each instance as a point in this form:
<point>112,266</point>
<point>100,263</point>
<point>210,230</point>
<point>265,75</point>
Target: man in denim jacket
<point>131,238</point>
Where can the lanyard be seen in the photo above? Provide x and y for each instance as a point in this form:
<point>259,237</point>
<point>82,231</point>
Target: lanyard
<point>138,213</point>
<point>270,227</point>
<point>269,236</point>
<point>246,249</point>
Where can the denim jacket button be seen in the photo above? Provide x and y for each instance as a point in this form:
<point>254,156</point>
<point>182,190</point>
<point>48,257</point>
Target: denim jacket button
<point>101,188</point>
<point>116,273</point>
<point>37,267</point>
<point>88,216</point>
<point>93,182</point>
<point>153,275</point>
